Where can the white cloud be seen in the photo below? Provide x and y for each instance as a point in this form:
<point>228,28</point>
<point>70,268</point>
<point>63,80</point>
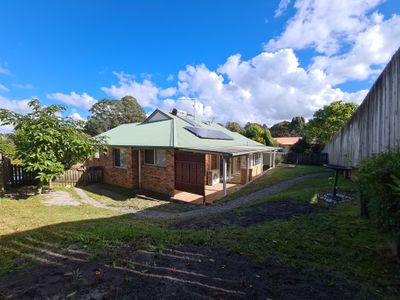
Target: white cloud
<point>324,24</point>
<point>76,116</point>
<point>372,49</point>
<point>79,100</point>
<point>168,92</point>
<point>19,106</point>
<point>26,86</point>
<point>4,88</point>
<point>146,92</point>
<point>283,5</point>
<point>269,87</point>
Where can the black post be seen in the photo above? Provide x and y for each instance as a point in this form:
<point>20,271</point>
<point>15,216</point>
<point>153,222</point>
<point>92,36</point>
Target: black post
<point>335,184</point>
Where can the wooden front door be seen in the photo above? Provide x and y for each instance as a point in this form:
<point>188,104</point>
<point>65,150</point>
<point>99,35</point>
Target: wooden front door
<point>190,172</point>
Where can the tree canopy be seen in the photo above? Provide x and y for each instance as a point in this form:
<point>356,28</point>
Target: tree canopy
<point>286,128</point>
<point>327,121</point>
<point>235,127</point>
<point>46,143</point>
<point>107,114</point>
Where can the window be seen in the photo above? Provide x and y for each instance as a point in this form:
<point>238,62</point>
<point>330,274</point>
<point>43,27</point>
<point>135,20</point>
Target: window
<point>120,157</point>
<point>160,158</point>
<point>149,156</point>
<point>155,157</point>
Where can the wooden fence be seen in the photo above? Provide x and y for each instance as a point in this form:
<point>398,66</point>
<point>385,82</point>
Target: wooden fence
<point>375,126</point>
<point>80,177</point>
<point>16,176</point>
<point>306,158</point>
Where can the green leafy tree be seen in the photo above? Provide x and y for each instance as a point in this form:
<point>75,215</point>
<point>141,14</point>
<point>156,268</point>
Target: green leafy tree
<point>255,132</point>
<point>269,141</point>
<point>297,126</point>
<point>46,143</point>
<point>327,121</point>
<point>235,127</point>
<point>280,129</point>
<point>286,128</point>
<point>107,114</point>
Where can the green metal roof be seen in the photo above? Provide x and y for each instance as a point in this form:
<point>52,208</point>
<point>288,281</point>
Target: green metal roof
<point>170,132</point>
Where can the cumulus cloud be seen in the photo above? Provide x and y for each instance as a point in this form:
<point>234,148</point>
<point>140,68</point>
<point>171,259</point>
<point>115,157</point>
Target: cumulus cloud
<point>79,100</point>
<point>19,106</point>
<point>76,116</point>
<point>146,92</point>
<point>324,24</point>
<point>266,88</point>
<point>372,49</point>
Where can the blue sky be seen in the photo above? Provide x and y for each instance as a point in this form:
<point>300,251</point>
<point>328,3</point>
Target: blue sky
<point>240,60</point>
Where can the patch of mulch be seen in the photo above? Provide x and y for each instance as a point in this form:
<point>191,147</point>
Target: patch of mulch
<point>190,272</point>
<point>262,213</point>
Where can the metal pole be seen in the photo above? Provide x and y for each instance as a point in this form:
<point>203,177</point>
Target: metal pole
<point>335,184</point>
<point>224,174</point>
<point>139,170</point>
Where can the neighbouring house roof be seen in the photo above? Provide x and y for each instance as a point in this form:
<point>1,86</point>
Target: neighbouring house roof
<point>165,130</point>
<point>287,141</point>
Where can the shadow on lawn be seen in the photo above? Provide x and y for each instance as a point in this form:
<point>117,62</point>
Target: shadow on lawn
<point>121,256</point>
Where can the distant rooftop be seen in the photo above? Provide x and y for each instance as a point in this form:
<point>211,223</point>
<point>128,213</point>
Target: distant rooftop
<point>287,140</point>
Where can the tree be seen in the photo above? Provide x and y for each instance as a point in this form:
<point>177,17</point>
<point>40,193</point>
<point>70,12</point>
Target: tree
<point>280,129</point>
<point>327,121</point>
<point>286,128</point>
<point>46,143</point>
<point>255,132</point>
<point>300,146</point>
<point>235,127</point>
<point>297,126</point>
<point>107,114</point>
<point>269,141</point>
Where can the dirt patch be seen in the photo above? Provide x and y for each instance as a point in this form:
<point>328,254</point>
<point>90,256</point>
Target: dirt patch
<point>262,213</point>
<point>59,198</point>
<point>186,273</point>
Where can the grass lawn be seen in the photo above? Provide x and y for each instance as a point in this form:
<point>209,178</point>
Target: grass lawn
<point>272,177</point>
<point>331,240</point>
<point>122,197</point>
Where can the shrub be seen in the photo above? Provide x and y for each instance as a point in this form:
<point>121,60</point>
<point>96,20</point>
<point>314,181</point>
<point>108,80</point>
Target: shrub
<point>278,158</point>
<point>379,192</point>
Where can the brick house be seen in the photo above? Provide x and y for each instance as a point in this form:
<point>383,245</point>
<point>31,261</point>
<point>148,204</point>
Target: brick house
<point>172,152</point>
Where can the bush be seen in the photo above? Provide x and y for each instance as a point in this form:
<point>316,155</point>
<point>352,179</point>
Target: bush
<point>379,192</point>
<point>278,159</point>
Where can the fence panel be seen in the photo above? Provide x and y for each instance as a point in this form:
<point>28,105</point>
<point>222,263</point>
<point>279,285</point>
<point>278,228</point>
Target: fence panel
<point>306,158</point>
<point>79,177</point>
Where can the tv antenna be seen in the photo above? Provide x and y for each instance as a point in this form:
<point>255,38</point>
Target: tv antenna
<point>194,104</point>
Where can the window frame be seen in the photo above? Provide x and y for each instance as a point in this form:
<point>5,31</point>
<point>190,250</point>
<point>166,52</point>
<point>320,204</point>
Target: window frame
<point>122,165</point>
<point>155,157</point>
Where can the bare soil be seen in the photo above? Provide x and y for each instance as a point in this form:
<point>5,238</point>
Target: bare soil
<point>262,213</point>
<point>189,272</point>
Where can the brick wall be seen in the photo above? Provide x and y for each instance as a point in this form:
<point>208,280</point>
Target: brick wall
<point>154,178</point>
<point>124,177</point>
<point>159,179</point>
